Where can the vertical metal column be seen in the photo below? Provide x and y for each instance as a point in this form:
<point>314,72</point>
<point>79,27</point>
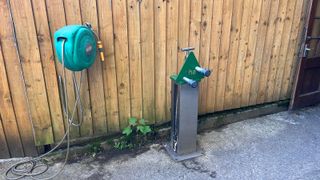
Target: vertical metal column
<point>184,115</point>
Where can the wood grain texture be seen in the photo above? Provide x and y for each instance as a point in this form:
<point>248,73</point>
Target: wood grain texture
<point>15,80</point>
<point>205,31</point>
<point>216,32</point>
<point>184,25</point>
<point>95,72</point>
<point>147,57</point>
<point>135,57</point>
<point>267,53</point>
<point>32,70</point>
<point>6,112</point>
<point>195,34</point>
<point>258,56</point>
<point>252,43</point>
<point>4,150</point>
<point>295,43</point>
<point>122,59</point>
<point>242,52</point>
<point>288,21</point>
<point>160,59</point>
<point>223,57</point>
<point>238,8</point>
<point>48,65</point>
<point>172,48</point>
<point>276,50</point>
<point>109,65</point>
<point>195,25</point>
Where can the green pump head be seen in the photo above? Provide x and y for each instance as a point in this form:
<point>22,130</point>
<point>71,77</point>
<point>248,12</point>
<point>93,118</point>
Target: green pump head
<point>191,73</point>
<point>80,46</point>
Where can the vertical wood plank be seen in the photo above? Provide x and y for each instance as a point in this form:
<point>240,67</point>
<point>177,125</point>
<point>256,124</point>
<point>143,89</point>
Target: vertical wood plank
<point>238,9</point>
<point>98,106</point>
<point>276,50</point>
<point>258,57</point>
<point>48,65</point>
<point>224,53</point>
<point>293,49</point>
<point>284,49</point>
<point>206,18</point>
<point>135,57</point>
<point>32,70</point>
<point>195,25</point>
<point>73,16</point>
<point>122,60</point>
<point>160,59</point>
<point>249,61</point>
<point>57,19</point>
<point>267,52</point>
<point>147,57</point>
<point>15,79</point>
<point>195,34</point>
<point>6,112</point>
<point>242,53</point>
<point>183,33</point>
<point>4,151</point>
<point>109,66</point>
<point>172,47</point>
<point>216,32</point>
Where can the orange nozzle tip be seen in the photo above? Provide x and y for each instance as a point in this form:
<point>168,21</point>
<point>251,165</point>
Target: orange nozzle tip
<point>102,56</point>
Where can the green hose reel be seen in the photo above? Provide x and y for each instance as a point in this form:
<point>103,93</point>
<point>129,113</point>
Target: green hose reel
<point>79,44</point>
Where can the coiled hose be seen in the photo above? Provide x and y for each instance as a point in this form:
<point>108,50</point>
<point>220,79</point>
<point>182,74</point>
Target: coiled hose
<point>34,167</point>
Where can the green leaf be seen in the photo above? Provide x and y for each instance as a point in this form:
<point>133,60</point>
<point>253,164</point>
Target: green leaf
<point>127,131</point>
<point>132,121</point>
<point>146,130</point>
<point>140,128</point>
<point>142,122</point>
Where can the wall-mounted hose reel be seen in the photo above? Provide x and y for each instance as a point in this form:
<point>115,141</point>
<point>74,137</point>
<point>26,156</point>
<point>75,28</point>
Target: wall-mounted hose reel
<point>184,108</point>
<point>80,45</point>
<point>76,47</point>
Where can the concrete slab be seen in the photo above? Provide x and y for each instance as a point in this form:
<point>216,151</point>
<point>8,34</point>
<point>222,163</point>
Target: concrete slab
<point>281,146</point>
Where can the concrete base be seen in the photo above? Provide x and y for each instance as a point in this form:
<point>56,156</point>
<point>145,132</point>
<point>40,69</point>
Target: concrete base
<point>183,157</point>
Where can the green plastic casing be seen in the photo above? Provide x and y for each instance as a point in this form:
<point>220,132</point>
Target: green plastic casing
<point>188,70</point>
<point>80,46</point>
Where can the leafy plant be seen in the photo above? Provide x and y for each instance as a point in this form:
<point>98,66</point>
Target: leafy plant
<point>95,148</point>
<point>135,134</point>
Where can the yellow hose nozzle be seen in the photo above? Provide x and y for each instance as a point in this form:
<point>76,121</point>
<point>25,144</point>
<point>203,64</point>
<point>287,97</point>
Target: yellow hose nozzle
<point>100,49</point>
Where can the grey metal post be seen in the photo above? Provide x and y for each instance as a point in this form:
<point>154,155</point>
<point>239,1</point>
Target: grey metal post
<point>184,116</point>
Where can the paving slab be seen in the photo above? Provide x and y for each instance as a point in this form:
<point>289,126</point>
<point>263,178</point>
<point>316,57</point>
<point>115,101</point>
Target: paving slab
<point>280,146</point>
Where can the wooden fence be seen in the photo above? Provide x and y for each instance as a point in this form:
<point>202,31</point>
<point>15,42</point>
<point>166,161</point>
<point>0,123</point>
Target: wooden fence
<point>251,46</point>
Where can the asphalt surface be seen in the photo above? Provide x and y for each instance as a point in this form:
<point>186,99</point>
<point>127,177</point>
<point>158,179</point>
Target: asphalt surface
<point>281,146</point>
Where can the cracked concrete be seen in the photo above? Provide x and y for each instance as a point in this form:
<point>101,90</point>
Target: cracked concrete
<point>285,145</point>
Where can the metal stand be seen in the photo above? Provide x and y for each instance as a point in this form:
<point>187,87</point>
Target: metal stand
<point>184,115</point>
<point>184,112</point>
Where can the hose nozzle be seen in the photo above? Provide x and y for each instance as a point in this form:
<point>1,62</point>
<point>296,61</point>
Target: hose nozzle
<point>100,49</point>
